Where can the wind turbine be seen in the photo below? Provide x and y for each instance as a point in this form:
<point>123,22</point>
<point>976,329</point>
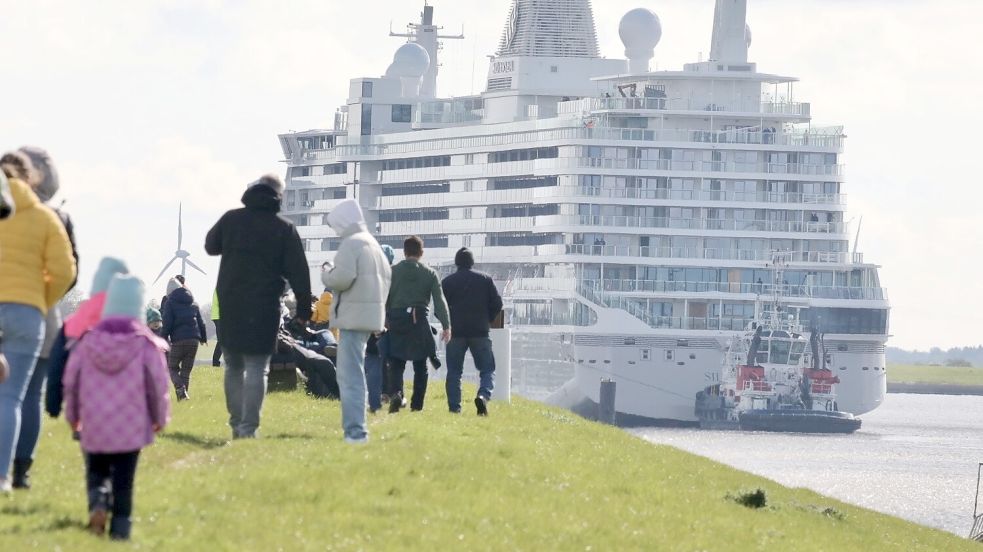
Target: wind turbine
<point>180,253</point>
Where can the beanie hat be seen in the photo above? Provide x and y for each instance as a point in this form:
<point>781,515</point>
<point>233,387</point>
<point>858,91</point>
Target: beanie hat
<point>108,266</point>
<point>172,285</point>
<point>271,181</point>
<point>7,207</point>
<point>389,252</point>
<point>153,315</point>
<point>464,258</point>
<point>125,297</point>
<point>47,176</point>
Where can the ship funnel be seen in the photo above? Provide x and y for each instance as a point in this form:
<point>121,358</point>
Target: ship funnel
<point>731,35</point>
<point>640,31</point>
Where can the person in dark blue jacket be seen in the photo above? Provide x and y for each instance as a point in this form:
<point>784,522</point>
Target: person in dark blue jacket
<point>184,329</point>
<point>474,302</point>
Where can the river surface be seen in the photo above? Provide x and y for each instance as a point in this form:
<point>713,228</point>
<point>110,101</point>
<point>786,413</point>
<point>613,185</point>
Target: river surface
<point>915,457</point>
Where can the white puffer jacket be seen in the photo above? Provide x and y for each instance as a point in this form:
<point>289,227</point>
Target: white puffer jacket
<point>361,274</point>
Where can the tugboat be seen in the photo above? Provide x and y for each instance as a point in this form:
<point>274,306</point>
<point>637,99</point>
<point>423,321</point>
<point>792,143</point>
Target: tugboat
<point>775,379</point>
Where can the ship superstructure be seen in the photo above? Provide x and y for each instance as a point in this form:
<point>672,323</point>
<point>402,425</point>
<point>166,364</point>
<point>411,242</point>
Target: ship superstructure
<point>630,216</point>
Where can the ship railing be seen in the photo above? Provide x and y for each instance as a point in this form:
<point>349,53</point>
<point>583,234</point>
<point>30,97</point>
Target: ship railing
<point>703,195</point>
<point>692,253</point>
<point>787,290</point>
<point>680,104</point>
<point>832,170</point>
<point>819,138</point>
<point>696,223</point>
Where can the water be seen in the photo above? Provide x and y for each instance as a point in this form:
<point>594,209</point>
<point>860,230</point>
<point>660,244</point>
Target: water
<point>915,457</point>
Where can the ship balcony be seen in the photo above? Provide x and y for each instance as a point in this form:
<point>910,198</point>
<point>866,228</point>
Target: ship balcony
<point>627,253</point>
<point>467,199</point>
<point>320,180</point>
<point>714,225</point>
<point>455,226</point>
<point>724,196</point>
<point>797,110</point>
<point>737,288</point>
<point>670,165</point>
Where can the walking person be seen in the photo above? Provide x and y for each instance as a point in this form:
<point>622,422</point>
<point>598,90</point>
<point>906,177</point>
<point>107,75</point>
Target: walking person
<point>259,251</point>
<point>360,280</point>
<point>116,397</point>
<point>36,269</point>
<point>184,329</point>
<point>376,354</point>
<point>46,186</point>
<point>216,320</point>
<point>414,285</point>
<point>474,302</point>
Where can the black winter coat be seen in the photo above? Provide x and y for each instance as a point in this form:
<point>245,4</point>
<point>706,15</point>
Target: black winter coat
<point>260,252</point>
<point>473,301</point>
<point>182,318</point>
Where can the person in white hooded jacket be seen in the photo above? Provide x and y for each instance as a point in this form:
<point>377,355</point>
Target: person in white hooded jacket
<point>360,281</point>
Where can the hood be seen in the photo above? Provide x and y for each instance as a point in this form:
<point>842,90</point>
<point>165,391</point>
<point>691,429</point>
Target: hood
<point>112,342</point>
<point>24,196</point>
<point>262,198</point>
<point>47,175</point>
<point>345,215</point>
<point>6,199</point>
<point>181,296</point>
<point>172,285</point>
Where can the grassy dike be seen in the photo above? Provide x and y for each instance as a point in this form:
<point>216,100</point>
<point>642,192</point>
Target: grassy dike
<point>920,373</point>
<point>529,477</point>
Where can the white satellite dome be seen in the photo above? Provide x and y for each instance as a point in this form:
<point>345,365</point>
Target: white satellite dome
<point>410,60</point>
<point>640,29</point>
<point>747,35</point>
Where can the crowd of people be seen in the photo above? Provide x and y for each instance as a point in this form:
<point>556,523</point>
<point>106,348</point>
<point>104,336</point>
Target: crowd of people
<point>108,365</point>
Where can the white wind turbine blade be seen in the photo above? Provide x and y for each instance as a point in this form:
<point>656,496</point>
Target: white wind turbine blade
<point>168,265</point>
<point>196,267</point>
<point>180,232</point>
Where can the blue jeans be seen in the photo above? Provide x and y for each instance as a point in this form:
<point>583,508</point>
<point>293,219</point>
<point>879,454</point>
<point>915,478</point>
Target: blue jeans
<point>373,380</point>
<point>351,382</point>
<point>30,413</point>
<point>484,361</point>
<point>245,389</point>
<point>23,334</point>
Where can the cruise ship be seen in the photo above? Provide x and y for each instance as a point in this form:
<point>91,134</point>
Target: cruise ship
<point>631,216</point>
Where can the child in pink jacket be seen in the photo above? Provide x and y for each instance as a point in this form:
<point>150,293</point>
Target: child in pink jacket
<point>116,397</point>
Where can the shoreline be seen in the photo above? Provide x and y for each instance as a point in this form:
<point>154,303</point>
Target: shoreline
<point>934,388</point>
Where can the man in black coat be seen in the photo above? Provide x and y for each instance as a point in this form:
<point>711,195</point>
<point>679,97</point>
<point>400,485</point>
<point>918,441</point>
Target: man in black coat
<point>474,302</point>
<point>260,252</point>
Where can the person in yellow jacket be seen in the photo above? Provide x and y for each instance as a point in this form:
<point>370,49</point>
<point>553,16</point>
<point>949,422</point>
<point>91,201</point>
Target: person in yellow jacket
<point>36,269</point>
<point>322,313</point>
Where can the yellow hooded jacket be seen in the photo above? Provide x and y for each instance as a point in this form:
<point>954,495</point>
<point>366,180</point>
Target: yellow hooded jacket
<point>36,263</point>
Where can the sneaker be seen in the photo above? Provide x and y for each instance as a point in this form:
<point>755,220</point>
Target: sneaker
<point>97,520</point>
<point>217,364</point>
<point>182,394</point>
<point>396,402</point>
<point>481,404</point>
<point>360,441</point>
<point>5,486</point>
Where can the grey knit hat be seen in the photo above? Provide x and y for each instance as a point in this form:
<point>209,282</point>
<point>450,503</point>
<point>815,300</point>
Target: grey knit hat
<point>47,176</point>
<point>270,181</point>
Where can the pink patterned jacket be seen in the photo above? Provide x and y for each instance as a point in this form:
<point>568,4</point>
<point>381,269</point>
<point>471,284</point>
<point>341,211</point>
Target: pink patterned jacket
<point>117,386</point>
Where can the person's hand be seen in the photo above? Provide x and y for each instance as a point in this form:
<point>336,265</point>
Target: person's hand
<point>4,368</point>
<point>445,335</point>
<point>76,426</point>
<point>203,343</point>
<point>156,428</point>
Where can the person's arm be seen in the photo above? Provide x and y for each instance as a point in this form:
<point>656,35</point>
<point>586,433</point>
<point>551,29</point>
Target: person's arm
<point>342,274</point>
<point>56,372</point>
<point>439,304</point>
<point>158,389</point>
<point>297,273</point>
<point>213,240</point>
<point>202,333</point>
<point>70,230</point>
<point>59,263</point>
<point>167,315</point>
<point>495,300</point>
<point>70,390</point>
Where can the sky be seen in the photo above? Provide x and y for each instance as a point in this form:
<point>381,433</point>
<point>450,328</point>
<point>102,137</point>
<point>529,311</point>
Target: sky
<point>145,105</point>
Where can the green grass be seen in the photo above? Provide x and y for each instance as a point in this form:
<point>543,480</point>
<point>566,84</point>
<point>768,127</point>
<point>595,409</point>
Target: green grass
<point>909,373</point>
<point>529,477</point>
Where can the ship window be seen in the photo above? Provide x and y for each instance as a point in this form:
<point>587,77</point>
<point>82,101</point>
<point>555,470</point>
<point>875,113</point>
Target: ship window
<point>402,113</point>
<point>366,118</point>
<point>646,354</point>
<point>780,349</point>
<point>843,368</point>
<point>554,69</point>
<point>841,347</point>
<point>339,194</point>
<point>865,368</point>
<point>366,89</point>
<point>668,354</point>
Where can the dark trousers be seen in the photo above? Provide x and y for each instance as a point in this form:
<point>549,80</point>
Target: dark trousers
<point>180,361</point>
<point>420,379</point>
<point>217,354</point>
<point>109,481</point>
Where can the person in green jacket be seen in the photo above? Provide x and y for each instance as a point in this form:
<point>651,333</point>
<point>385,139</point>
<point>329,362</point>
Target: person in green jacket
<point>217,354</point>
<point>414,285</point>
